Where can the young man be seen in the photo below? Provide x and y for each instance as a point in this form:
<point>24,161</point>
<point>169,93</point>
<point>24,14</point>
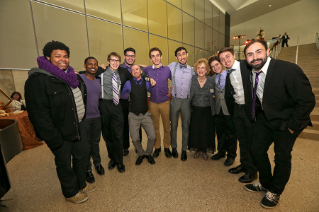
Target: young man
<point>159,100</point>
<point>139,115</point>
<point>235,96</point>
<point>225,128</point>
<point>181,81</point>
<point>280,104</point>
<point>56,110</point>
<point>129,59</point>
<point>92,120</point>
<point>113,78</point>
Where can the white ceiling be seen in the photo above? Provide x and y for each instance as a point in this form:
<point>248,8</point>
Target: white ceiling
<point>243,10</point>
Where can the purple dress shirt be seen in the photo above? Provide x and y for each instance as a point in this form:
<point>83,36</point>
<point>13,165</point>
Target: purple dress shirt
<point>127,86</point>
<point>160,90</point>
<point>222,79</point>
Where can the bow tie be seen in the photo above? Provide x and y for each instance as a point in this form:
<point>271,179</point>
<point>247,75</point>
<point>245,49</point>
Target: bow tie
<point>229,71</point>
<point>182,66</point>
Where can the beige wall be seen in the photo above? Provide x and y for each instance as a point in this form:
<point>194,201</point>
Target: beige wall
<point>110,25</point>
<point>298,19</point>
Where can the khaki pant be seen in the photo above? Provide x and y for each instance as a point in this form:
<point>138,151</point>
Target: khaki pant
<point>157,110</point>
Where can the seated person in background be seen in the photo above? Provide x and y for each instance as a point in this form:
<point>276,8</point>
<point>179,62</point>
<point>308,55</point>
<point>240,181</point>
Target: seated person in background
<point>138,114</point>
<point>18,103</point>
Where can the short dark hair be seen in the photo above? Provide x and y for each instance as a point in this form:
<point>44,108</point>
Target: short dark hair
<point>180,49</point>
<point>226,49</point>
<point>16,92</point>
<point>154,49</point>
<point>264,43</point>
<point>129,49</point>
<point>53,45</point>
<point>113,54</point>
<point>212,58</point>
<point>86,59</point>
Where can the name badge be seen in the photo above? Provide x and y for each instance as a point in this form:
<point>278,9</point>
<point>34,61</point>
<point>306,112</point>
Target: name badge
<point>211,91</point>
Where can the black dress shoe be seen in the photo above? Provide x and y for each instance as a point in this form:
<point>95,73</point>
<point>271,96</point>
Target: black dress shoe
<point>99,169</point>
<point>237,170</point>
<point>150,159</point>
<point>168,153</point>
<point>184,156</point>
<point>174,153</point>
<point>156,152</point>
<point>217,156</point>
<point>229,161</point>
<point>121,168</point>
<point>139,160</point>
<point>111,165</point>
<point>248,178</point>
<point>89,177</point>
<point>125,152</point>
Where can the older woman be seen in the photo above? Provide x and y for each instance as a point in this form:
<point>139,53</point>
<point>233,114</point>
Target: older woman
<point>225,128</point>
<point>201,134</point>
<point>18,103</point>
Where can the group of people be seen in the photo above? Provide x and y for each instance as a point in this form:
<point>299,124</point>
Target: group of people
<point>69,111</point>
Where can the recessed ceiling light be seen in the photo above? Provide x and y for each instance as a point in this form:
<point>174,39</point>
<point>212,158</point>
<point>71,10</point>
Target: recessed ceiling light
<point>270,5</point>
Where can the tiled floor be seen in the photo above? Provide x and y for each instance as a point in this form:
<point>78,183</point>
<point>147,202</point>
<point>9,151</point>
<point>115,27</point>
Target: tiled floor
<point>168,185</point>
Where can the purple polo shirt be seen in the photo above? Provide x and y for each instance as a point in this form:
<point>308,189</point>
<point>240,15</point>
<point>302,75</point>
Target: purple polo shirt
<point>160,90</point>
<point>93,91</point>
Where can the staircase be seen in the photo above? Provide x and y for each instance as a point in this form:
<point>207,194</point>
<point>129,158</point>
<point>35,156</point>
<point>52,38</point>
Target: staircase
<point>308,60</point>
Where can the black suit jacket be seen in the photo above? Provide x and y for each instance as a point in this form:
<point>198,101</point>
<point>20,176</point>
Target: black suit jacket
<point>229,90</point>
<point>288,98</point>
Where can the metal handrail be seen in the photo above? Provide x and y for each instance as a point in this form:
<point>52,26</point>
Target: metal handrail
<point>297,50</point>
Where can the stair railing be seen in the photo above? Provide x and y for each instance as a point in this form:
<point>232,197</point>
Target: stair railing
<point>297,50</point>
<point>317,40</point>
<point>275,49</point>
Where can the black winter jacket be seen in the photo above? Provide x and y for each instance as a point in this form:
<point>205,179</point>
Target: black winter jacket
<point>51,108</point>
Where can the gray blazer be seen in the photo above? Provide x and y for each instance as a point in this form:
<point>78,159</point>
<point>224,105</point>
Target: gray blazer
<point>220,99</point>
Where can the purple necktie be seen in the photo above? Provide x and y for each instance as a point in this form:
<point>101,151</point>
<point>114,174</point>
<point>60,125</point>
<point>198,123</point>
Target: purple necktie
<point>254,96</point>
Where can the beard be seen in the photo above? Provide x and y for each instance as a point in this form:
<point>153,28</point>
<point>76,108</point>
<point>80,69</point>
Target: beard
<point>260,65</point>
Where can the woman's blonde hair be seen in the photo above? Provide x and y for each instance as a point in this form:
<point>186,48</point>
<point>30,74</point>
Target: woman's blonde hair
<point>199,62</point>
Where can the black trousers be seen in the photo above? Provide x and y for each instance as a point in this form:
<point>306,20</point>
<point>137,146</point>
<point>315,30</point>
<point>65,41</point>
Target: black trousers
<point>112,129</point>
<point>72,177</point>
<point>244,129</point>
<point>126,133</point>
<point>284,42</point>
<point>226,135</point>
<point>92,129</point>
<point>263,136</point>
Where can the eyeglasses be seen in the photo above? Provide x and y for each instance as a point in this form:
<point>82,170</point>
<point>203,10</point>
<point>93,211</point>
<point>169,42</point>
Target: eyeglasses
<point>130,56</point>
<point>116,61</point>
<point>201,68</point>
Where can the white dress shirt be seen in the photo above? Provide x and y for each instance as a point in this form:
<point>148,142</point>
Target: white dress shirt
<point>237,83</point>
<point>262,78</point>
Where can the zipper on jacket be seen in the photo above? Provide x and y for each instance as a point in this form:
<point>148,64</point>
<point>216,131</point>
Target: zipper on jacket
<point>76,117</point>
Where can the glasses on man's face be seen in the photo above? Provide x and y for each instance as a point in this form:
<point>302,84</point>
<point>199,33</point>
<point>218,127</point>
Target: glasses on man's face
<point>132,56</point>
<point>114,61</point>
<point>201,68</point>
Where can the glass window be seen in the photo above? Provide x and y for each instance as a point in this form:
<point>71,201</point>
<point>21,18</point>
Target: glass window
<point>199,34</point>
<point>175,23</point>
<point>161,43</point>
<point>17,36</point>
<point>188,29</point>
<point>104,38</point>
<point>200,10</point>
<point>135,14</point>
<point>208,13</point>
<point>70,28</point>
<point>108,10</point>
<point>157,20</point>
<point>140,45</point>
<point>188,6</point>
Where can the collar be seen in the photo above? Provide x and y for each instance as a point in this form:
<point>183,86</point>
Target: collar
<point>236,65</point>
<point>265,67</point>
<point>153,67</point>
<point>140,80</point>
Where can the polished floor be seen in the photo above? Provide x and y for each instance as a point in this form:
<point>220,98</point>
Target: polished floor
<point>168,185</point>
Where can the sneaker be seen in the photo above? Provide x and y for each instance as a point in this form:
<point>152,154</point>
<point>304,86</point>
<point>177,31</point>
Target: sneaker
<point>254,187</point>
<point>88,189</point>
<point>197,154</point>
<point>78,198</point>
<point>270,200</point>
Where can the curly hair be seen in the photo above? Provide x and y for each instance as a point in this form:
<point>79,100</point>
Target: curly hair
<point>16,92</point>
<point>53,45</point>
<point>199,62</point>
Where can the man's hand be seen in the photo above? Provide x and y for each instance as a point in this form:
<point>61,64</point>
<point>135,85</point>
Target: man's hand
<point>142,65</point>
<point>103,66</point>
<point>169,93</point>
<point>153,82</point>
<point>290,131</point>
<point>76,72</point>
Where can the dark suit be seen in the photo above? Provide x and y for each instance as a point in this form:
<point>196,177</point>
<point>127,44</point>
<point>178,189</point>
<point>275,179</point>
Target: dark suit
<point>287,103</point>
<point>284,40</point>
<point>240,117</point>
<point>113,121</point>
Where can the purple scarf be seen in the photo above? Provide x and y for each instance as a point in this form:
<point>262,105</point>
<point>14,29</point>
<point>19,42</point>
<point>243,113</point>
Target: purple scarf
<point>69,77</point>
